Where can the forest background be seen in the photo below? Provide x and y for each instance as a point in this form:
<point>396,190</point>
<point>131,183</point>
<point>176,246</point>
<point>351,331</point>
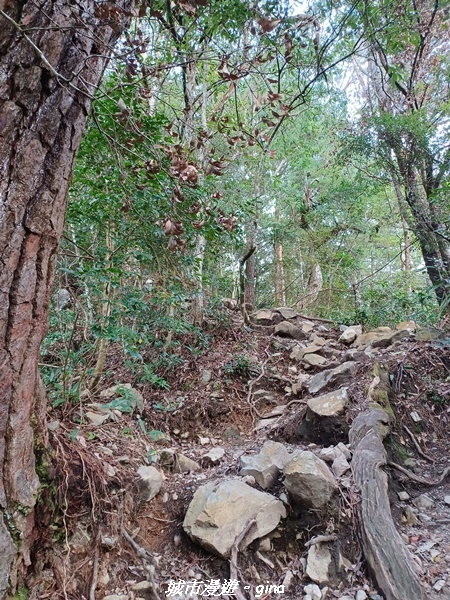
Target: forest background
<point>300,156</point>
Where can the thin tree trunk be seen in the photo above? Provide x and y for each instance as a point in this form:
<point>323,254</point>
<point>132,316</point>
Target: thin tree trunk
<point>280,295</point>
<point>105,313</point>
<point>434,247</point>
<point>47,78</point>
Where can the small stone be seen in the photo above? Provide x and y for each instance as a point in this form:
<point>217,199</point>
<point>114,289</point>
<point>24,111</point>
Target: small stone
<point>53,425</point>
<point>206,376</point>
<point>345,451</point>
<point>415,416</point>
<point>109,541</point>
<point>265,545</point>
<point>313,591</point>
<point>149,483</point>
<point>447,499</point>
<point>249,480</point>
<point>340,465</point>
<point>403,496</point>
<point>141,586</point>
<point>95,418</point>
<point>184,464</point>
<point>439,585</point>
<point>318,564</point>
<point>360,595</point>
<point>423,501</point>
<point>288,580</point>
<point>203,440</point>
<point>213,457</point>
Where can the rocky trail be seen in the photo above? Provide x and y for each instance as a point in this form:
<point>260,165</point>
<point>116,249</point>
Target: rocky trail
<point>290,459</point>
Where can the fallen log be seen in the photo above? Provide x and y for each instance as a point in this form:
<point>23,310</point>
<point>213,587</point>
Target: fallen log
<point>390,561</point>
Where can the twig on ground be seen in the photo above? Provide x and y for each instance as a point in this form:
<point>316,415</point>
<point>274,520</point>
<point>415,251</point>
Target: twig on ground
<point>234,555</point>
<point>416,444</point>
<point>320,539</point>
<point>94,573</point>
<point>418,478</point>
<point>146,558</point>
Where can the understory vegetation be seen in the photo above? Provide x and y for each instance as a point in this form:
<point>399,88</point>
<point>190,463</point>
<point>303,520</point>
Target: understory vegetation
<point>296,158</point>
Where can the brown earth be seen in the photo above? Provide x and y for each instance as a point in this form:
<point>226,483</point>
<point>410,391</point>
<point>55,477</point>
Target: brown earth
<point>90,500</point>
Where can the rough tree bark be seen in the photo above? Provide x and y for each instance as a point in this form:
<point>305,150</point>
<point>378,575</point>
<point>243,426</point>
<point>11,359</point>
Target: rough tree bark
<point>52,57</point>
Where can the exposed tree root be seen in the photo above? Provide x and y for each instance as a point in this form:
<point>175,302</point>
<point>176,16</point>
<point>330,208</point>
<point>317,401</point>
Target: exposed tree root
<point>418,478</point>
<point>384,550</point>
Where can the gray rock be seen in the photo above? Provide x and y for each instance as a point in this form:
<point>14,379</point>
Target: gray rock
<point>403,496</point>
<point>62,299</point>
<point>184,464</point>
<point>340,465</point>
<point>265,467</point>
<point>318,563</point>
<point>150,482</point>
<point>177,463</point>
<point>382,337</point>
<point>288,329</point>
<point>313,591</point>
<point>423,501</point>
<point>345,451</point>
<point>360,595</point>
<point>266,317</point>
<point>447,499</point>
<point>288,580</point>
<point>350,334</point>
<point>96,419</point>
<point>206,376</point>
<point>313,360</point>
<point>213,457</point>
<point>339,375</point>
<point>299,351</point>
<point>307,326</point>
<point>286,313</point>
<point>308,480</point>
<point>220,511</point>
<point>329,405</point>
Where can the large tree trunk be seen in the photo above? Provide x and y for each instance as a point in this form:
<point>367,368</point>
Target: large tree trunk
<point>435,247</point>
<point>52,57</point>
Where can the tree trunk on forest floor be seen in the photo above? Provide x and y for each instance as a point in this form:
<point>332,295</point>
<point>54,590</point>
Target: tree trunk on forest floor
<point>384,550</point>
<point>47,78</point>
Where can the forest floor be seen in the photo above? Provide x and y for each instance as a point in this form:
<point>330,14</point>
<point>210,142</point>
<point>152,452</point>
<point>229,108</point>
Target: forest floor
<point>100,540</point>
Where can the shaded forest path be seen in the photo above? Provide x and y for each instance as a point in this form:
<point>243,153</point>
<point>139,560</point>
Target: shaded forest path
<point>288,379</point>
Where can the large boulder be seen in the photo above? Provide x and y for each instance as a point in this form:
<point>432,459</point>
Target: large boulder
<point>329,405</point>
<point>286,312</point>
<point>308,480</point>
<point>339,375</point>
<point>382,337</point>
<point>289,330</point>
<point>267,465</point>
<point>298,352</point>
<point>221,510</point>
<point>266,317</point>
